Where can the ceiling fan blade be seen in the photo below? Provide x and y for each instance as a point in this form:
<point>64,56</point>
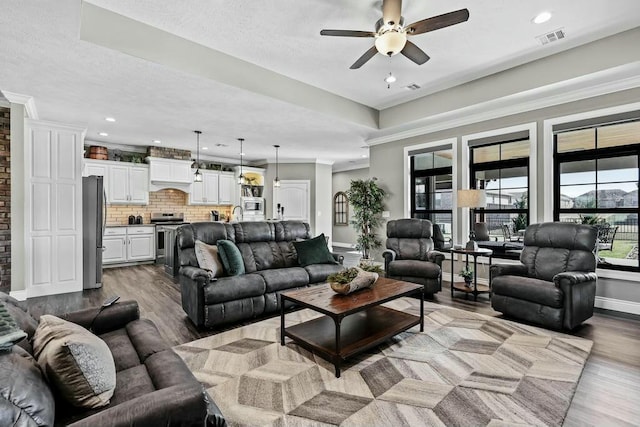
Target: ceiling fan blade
<point>364,58</point>
<point>414,53</point>
<point>391,11</point>
<point>438,22</point>
<point>347,33</point>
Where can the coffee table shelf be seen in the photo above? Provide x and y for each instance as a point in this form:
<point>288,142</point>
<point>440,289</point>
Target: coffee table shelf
<point>351,323</point>
<point>358,332</point>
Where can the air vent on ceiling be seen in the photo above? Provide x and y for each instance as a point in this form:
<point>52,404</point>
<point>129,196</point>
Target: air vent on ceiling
<point>412,86</point>
<point>222,145</point>
<point>553,36</point>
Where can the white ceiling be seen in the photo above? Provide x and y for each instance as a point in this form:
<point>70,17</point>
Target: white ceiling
<point>74,81</point>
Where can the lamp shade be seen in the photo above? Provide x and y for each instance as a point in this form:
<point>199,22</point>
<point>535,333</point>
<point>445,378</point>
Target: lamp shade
<point>472,199</point>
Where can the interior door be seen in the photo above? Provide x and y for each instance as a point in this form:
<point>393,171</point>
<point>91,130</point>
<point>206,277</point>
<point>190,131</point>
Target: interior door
<point>294,196</point>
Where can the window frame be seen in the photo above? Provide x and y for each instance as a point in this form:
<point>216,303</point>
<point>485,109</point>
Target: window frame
<point>426,173</point>
<point>498,165</point>
<point>343,212</point>
<point>588,155</point>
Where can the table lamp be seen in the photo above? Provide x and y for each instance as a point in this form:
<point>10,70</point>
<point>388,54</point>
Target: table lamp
<point>472,199</point>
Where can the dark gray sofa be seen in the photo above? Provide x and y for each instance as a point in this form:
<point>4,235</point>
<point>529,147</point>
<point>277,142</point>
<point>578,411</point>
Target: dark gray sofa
<point>154,387</point>
<point>271,265</point>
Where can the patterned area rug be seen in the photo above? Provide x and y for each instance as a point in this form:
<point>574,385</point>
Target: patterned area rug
<point>465,369</point>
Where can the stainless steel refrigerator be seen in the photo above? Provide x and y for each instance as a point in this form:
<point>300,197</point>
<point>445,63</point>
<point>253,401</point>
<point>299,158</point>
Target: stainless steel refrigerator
<point>94,215</point>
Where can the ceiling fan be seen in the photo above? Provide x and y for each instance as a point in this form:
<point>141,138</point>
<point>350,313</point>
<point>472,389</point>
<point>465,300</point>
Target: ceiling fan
<point>391,33</point>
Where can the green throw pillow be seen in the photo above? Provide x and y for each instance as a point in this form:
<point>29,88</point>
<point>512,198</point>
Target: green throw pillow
<point>231,257</point>
<point>314,251</point>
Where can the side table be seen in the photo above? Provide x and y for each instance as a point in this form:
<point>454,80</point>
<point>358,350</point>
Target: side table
<point>477,289</point>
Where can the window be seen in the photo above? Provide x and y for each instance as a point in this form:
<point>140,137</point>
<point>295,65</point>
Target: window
<point>432,187</point>
<point>502,170</point>
<point>340,209</point>
<point>596,182</point>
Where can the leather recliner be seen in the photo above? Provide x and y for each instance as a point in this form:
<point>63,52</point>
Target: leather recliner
<point>555,284</point>
<point>410,254</point>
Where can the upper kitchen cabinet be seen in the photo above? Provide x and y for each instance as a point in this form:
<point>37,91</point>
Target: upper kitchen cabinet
<point>169,170</point>
<point>128,185</point>
<point>97,168</point>
<point>227,189</point>
<point>207,191</point>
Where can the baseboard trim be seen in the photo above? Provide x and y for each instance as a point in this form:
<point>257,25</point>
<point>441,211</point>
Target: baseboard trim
<point>343,245</point>
<point>19,295</point>
<point>631,307</point>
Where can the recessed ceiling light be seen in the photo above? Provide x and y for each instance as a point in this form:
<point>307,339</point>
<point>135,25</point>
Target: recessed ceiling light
<point>156,141</point>
<point>205,148</point>
<point>110,119</point>
<point>103,134</point>
<point>542,17</point>
<point>364,156</point>
<point>242,154</point>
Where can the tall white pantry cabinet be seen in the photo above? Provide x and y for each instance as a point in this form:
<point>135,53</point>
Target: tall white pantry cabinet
<point>53,208</point>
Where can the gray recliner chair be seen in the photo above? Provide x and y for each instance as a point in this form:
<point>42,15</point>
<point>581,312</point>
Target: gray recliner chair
<point>410,254</point>
<point>555,284</point>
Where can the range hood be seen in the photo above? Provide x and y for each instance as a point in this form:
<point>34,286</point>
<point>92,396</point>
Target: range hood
<point>169,173</point>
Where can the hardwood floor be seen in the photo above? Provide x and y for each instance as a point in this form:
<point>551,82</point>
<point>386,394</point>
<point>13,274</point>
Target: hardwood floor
<point>608,393</point>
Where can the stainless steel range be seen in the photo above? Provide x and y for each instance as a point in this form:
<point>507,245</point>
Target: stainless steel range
<point>166,224</point>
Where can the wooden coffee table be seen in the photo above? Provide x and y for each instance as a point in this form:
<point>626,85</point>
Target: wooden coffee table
<point>351,323</point>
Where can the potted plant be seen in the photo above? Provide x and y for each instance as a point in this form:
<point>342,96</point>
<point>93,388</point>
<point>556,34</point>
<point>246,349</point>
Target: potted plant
<point>467,275</point>
<point>366,199</point>
<point>351,279</point>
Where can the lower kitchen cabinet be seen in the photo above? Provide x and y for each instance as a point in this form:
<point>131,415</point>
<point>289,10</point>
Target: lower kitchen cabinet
<point>128,244</point>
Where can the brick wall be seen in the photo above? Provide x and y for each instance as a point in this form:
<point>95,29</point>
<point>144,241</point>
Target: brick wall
<point>5,200</point>
<point>163,201</point>
<point>168,153</point>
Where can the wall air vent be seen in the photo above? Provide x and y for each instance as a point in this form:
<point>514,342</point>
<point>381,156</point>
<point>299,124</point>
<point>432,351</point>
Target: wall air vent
<point>553,36</point>
<point>412,86</point>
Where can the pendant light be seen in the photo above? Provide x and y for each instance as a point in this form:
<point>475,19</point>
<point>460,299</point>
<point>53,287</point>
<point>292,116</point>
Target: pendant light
<point>197,177</point>
<point>241,178</point>
<point>276,182</point>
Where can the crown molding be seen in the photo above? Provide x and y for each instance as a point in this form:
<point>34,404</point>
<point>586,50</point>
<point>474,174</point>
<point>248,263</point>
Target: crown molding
<point>601,83</point>
<point>350,167</point>
<point>26,100</point>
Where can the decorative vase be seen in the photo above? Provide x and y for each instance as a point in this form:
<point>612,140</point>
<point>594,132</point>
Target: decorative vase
<point>467,282</point>
<point>363,280</point>
<point>367,262</point>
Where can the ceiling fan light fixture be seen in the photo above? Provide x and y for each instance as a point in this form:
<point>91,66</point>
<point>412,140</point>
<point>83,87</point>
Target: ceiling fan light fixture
<point>391,42</point>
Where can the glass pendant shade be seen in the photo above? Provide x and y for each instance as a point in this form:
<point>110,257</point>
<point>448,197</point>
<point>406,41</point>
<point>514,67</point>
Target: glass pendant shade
<point>391,42</point>
<point>276,181</point>
<point>197,176</point>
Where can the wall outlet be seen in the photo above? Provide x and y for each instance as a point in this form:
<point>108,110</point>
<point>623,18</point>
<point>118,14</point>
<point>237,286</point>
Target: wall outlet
<point>386,214</point>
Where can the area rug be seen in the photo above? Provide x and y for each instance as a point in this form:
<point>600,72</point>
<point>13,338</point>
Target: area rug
<point>465,369</point>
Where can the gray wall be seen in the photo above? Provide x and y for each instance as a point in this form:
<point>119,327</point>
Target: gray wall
<point>387,162</point>
<point>323,210</point>
<point>17,198</point>
<point>342,182</point>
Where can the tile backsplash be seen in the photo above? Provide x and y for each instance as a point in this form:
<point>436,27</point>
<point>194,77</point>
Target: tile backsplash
<point>163,201</point>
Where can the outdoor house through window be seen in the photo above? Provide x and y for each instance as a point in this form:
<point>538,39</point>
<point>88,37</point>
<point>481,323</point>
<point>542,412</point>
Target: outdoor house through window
<point>501,168</point>
<point>431,186</point>
<point>596,182</point>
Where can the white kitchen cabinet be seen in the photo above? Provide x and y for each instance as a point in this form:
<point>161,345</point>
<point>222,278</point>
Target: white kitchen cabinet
<point>128,244</point>
<point>294,197</point>
<point>128,185</point>
<point>169,170</point>
<point>114,243</point>
<point>227,188</point>
<point>205,192</point>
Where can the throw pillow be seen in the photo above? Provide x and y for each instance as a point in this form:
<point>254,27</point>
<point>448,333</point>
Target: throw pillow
<point>10,333</point>
<point>77,362</point>
<point>314,251</point>
<point>208,258</point>
<point>231,258</point>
